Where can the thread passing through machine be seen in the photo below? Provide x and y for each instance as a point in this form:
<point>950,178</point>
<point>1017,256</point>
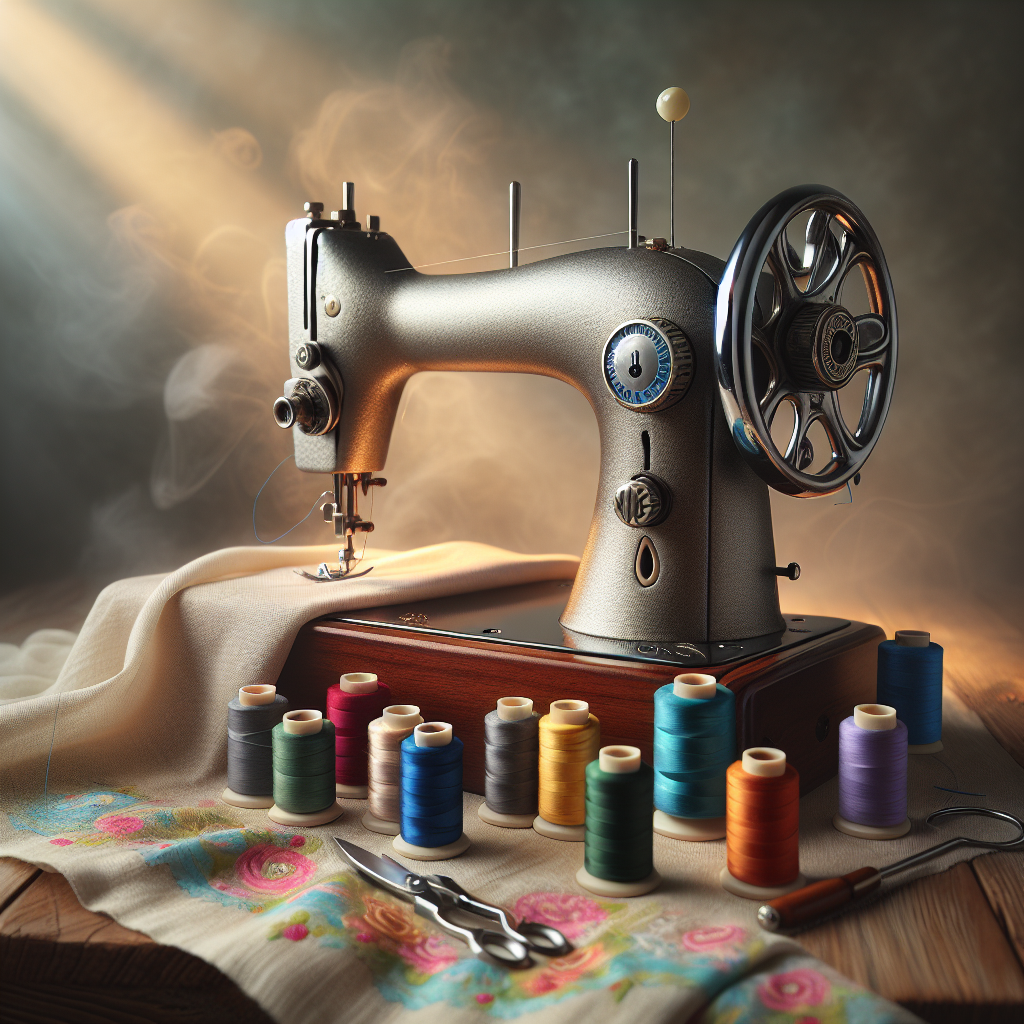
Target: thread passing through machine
<point>688,362</point>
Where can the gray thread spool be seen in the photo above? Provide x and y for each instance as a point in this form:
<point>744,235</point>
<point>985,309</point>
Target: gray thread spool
<point>511,749</point>
<point>384,767</point>
<point>252,716</point>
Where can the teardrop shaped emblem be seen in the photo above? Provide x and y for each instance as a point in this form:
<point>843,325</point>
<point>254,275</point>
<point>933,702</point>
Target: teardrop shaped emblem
<point>647,564</point>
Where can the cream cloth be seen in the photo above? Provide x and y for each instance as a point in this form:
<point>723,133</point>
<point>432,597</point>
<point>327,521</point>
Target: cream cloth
<point>131,819</point>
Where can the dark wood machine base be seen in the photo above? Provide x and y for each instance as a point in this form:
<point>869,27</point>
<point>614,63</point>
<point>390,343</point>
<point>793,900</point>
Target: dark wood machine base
<point>792,698</point>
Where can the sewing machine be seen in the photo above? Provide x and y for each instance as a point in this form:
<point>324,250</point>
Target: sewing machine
<point>685,361</point>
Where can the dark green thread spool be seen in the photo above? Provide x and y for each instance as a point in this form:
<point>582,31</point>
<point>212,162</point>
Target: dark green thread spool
<point>303,769</point>
<point>619,841</point>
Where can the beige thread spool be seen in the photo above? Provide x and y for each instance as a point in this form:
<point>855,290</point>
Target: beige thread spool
<point>570,737</point>
<point>384,791</point>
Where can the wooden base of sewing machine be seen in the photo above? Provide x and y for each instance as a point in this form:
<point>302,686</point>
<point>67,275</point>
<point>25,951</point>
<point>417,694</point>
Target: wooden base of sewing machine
<point>791,697</point>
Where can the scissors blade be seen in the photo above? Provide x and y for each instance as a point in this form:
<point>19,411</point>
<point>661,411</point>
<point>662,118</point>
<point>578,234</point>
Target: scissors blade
<point>383,870</point>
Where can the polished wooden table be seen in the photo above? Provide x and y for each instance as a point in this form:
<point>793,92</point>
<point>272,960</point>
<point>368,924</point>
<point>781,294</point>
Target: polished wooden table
<point>949,947</point>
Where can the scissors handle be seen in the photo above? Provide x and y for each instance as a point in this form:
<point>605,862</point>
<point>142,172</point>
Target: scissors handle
<point>497,947</point>
<point>544,939</point>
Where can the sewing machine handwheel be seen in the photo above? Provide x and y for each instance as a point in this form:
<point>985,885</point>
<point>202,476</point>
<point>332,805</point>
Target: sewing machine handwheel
<point>783,335</point>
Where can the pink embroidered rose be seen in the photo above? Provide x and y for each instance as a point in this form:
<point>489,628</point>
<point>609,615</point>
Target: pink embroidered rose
<point>61,842</point>
<point>269,868</point>
<point>430,955</point>
<point>566,969</point>
<point>802,987</point>
<point>701,939</point>
<point>572,915</point>
<point>484,998</point>
<point>119,825</point>
<point>297,841</point>
<point>295,932</point>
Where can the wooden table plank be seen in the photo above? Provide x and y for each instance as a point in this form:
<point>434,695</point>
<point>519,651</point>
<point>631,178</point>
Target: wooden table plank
<point>15,877</point>
<point>1001,877</point>
<point>933,945</point>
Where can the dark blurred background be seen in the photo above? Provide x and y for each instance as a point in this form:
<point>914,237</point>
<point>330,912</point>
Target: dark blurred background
<point>151,153</point>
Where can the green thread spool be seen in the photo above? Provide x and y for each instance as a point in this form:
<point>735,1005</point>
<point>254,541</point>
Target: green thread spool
<point>618,855</point>
<point>303,752</point>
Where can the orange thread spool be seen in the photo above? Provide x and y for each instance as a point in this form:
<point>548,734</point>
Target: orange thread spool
<point>762,821</point>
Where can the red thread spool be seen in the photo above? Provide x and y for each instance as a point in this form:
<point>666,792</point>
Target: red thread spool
<point>762,819</point>
<point>352,704</point>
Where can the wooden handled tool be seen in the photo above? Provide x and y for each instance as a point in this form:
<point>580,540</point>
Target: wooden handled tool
<point>820,898</point>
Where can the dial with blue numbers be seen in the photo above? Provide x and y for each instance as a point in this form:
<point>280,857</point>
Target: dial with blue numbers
<point>648,364</point>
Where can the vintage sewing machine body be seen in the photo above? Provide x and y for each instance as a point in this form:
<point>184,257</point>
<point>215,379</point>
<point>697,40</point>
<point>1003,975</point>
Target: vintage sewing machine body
<point>685,360</point>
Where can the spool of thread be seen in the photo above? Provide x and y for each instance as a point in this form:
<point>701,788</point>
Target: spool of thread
<point>251,717</point>
<point>910,680</point>
<point>352,704</point>
<point>384,798</point>
<point>303,748</point>
<point>762,820</point>
<point>618,857</point>
<point>511,747</point>
<point>570,737</point>
<point>694,744</point>
<point>872,774</point>
<point>431,794</point>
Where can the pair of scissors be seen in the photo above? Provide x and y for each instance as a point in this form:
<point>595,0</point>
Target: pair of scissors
<point>442,900</point>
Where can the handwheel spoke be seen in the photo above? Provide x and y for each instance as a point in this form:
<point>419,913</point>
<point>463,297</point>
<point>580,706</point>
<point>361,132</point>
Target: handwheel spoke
<point>778,263</point>
<point>833,282</point>
<point>769,405</point>
<point>872,340</point>
<point>820,245</point>
<point>805,413</point>
<point>839,436</point>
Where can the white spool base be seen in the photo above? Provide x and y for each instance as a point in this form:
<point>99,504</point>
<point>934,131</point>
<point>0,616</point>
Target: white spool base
<point>602,887</point>
<point>853,828</point>
<point>229,796</point>
<point>758,892</point>
<point>460,846</point>
<point>925,748</point>
<point>374,824</point>
<point>563,833</point>
<point>351,792</point>
<point>691,830</point>
<point>283,817</point>
<point>504,820</point>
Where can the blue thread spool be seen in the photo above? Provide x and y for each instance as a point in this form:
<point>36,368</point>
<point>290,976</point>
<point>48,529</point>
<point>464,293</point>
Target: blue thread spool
<point>431,816</point>
<point>694,744</point>
<point>910,680</point>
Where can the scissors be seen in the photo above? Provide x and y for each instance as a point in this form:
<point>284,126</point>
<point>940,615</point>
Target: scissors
<point>442,900</point>
<point>812,901</point>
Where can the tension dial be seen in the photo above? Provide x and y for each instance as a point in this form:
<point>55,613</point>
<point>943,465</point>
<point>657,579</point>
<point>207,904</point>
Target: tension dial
<point>648,364</point>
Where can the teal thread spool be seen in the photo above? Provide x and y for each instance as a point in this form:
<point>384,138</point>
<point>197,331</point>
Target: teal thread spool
<point>304,785</point>
<point>694,744</point>
<point>619,842</point>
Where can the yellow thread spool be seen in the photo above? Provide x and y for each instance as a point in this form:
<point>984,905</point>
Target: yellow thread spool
<point>570,738</point>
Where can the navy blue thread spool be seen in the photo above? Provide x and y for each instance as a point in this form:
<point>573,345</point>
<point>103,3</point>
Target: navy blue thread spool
<point>872,774</point>
<point>304,793</point>
<point>694,744</point>
<point>431,815</point>
<point>910,680</point>
<point>511,775</point>
<point>252,716</point>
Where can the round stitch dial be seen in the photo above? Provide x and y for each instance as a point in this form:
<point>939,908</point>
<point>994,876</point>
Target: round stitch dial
<point>648,364</point>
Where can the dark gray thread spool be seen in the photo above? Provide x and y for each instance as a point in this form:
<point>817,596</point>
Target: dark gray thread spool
<point>511,749</point>
<point>252,716</point>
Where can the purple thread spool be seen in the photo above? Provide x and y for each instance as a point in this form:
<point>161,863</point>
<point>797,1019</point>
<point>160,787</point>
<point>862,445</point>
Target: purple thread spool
<point>872,774</point>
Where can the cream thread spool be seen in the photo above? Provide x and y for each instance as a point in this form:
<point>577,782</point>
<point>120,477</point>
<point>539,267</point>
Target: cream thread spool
<point>763,780</point>
<point>384,796</point>
<point>249,751</point>
<point>510,763</point>
<point>570,737</point>
<point>430,738</point>
<point>873,754</point>
<point>305,725</point>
